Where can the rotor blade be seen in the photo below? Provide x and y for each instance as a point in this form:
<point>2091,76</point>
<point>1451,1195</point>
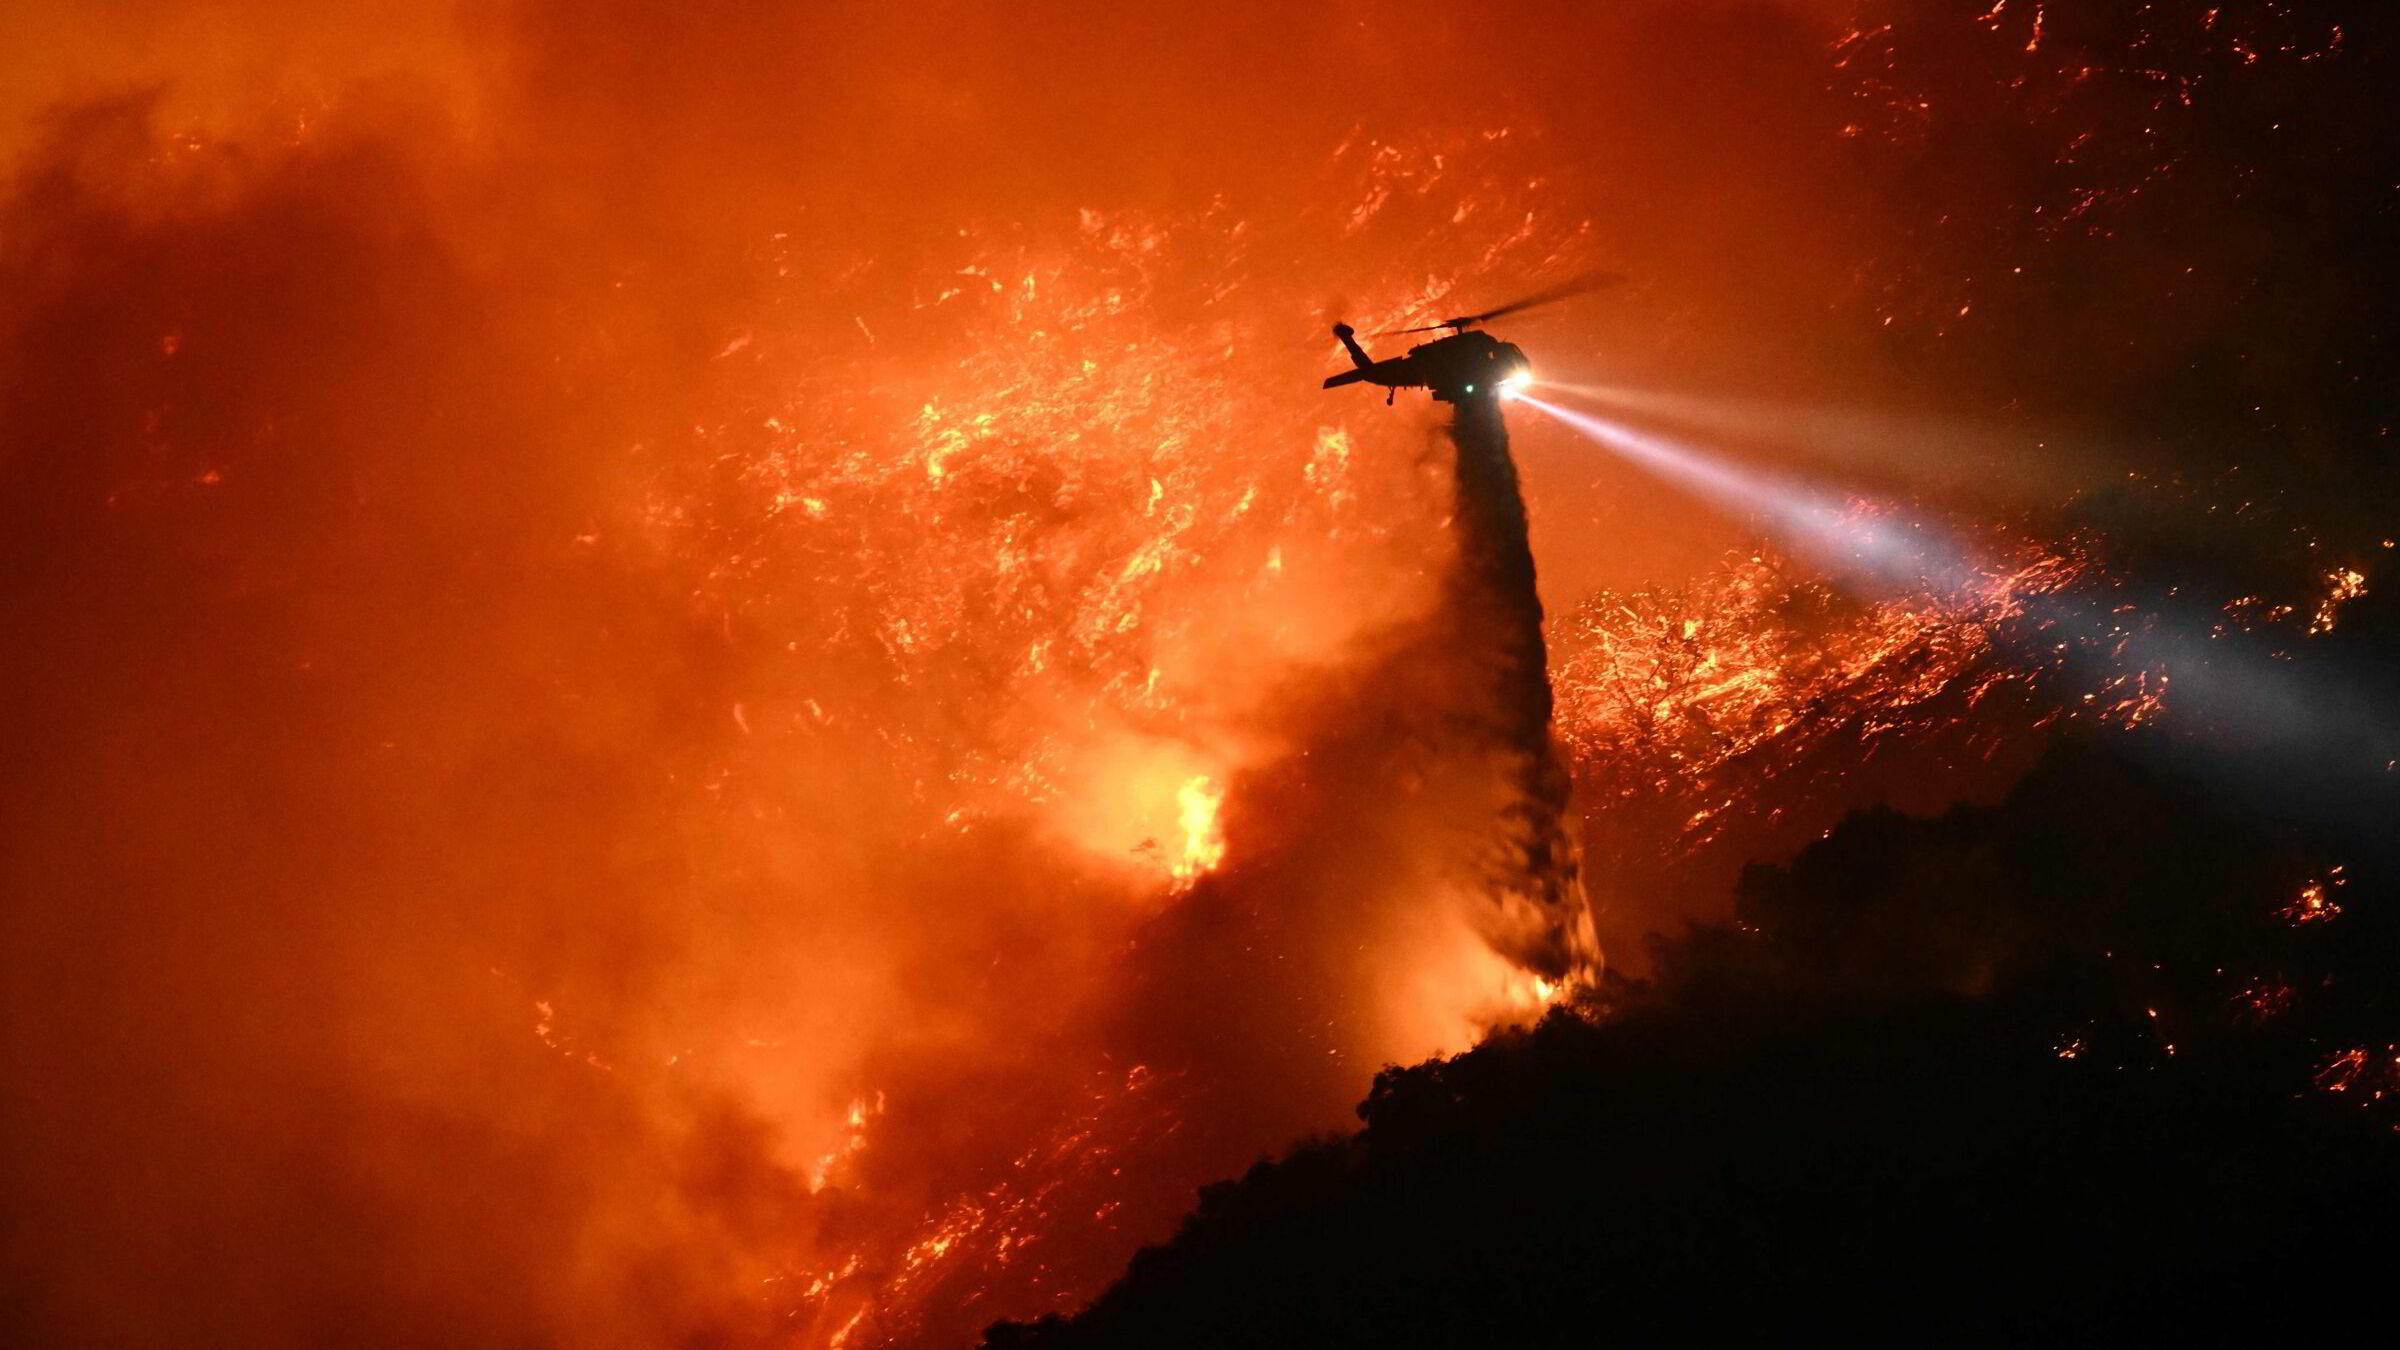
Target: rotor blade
<point>1573,286</point>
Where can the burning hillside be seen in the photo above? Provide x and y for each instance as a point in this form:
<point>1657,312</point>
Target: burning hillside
<point>692,678</point>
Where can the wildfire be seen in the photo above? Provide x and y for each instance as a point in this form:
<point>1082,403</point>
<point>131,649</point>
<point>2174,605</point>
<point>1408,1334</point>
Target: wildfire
<point>2264,999</point>
<point>2315,904</point>
<point>1694,698</point>
<point>2366,1075</point>
<point>854,1124</point>
<point>850,648</point>
<point>2343,585</point>
<point>1198,801</point>
<point>1147,542</point>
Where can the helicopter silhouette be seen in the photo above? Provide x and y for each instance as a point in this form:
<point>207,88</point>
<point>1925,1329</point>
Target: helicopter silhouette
<point>1467,364</point>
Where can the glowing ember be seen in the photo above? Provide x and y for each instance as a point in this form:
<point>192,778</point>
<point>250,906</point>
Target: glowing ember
<point>2342,587</point>
<point>2314,903</point>
<point>836,572</point>
<point>1700,696</point>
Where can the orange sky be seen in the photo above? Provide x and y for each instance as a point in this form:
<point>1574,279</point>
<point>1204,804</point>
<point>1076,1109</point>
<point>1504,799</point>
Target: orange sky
<point>625,608</point>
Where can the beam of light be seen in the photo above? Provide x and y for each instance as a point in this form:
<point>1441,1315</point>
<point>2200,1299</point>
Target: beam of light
<point>1767,419</point>
<point>2232,689</point>
<point>2038,464</point>
<point>1829,528</point>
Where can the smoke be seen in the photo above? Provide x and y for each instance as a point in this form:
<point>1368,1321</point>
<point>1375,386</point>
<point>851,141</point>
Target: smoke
<point>611,705</point>
<point>692,676</point>
<point>340,762</point>
<point>1401,877</point>
<point>1963,1071</point>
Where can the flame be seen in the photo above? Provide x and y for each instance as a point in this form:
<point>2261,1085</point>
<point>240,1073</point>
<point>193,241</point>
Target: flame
<point>1148,543</point>
<point>829,1165</point>
<point>2315,904</point>
<point>1695,698</point>
<point>2342,586</point>
<point>1198,802</point>
<point>827,639</point>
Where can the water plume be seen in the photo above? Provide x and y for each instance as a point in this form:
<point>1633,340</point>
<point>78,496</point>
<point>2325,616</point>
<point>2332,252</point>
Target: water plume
<point>1491,605</point>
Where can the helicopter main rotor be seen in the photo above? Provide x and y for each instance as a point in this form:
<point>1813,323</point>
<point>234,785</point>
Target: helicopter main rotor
<point>1573,286</point>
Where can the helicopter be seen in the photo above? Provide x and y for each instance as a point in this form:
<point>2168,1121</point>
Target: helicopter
<point>1466,364</point>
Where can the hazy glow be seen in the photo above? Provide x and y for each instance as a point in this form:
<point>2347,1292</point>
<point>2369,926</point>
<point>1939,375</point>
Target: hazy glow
<point>2232,689</point>
<point>1827,527</point>
<point>1977,455</point>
